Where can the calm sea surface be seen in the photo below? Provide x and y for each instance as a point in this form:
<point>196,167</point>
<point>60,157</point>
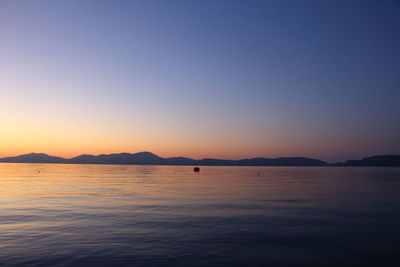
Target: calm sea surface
<point>104,215</point>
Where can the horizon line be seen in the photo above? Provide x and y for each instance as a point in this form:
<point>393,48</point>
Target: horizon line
<point>188,158</point>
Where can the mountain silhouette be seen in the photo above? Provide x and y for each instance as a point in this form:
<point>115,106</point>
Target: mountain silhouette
<point>141,158</point>
<point>382,160</point>
<point>34,158</point>
<point>148,158</point>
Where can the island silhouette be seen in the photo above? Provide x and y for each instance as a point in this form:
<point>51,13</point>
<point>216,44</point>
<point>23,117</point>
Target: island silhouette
<point>148,158</point>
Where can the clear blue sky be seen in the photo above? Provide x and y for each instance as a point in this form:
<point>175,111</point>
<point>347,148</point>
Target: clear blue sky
<point>228,79</point>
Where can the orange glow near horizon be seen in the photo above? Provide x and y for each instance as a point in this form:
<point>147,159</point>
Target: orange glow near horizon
<point>66,140</point>
<point>69,136</point>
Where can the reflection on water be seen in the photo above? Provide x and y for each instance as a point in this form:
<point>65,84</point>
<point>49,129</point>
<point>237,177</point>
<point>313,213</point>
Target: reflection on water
<point>223,216</point>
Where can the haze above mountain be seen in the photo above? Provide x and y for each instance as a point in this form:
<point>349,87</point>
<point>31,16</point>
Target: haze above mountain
<point>148,158</point>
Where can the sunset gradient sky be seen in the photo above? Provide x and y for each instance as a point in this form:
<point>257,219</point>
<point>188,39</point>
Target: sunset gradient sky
<point>226,79</point>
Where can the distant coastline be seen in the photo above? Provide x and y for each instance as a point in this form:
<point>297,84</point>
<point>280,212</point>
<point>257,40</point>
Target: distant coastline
<point>148,158</point>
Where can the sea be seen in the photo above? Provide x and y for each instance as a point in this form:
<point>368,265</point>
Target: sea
<point>114,215</point>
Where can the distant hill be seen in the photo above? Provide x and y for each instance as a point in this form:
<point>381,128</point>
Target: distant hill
<point>141,158</point>
<point>148,158</point>
<point>384,160</point>
<point>34,158</point>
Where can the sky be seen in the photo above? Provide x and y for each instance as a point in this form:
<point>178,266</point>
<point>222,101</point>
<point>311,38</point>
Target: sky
<point>225,79</point>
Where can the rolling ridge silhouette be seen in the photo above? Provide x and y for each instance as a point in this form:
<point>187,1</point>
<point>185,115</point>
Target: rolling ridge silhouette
<point>148,158</point>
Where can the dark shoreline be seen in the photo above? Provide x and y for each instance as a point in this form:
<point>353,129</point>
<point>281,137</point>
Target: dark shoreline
<point>147,158</point>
